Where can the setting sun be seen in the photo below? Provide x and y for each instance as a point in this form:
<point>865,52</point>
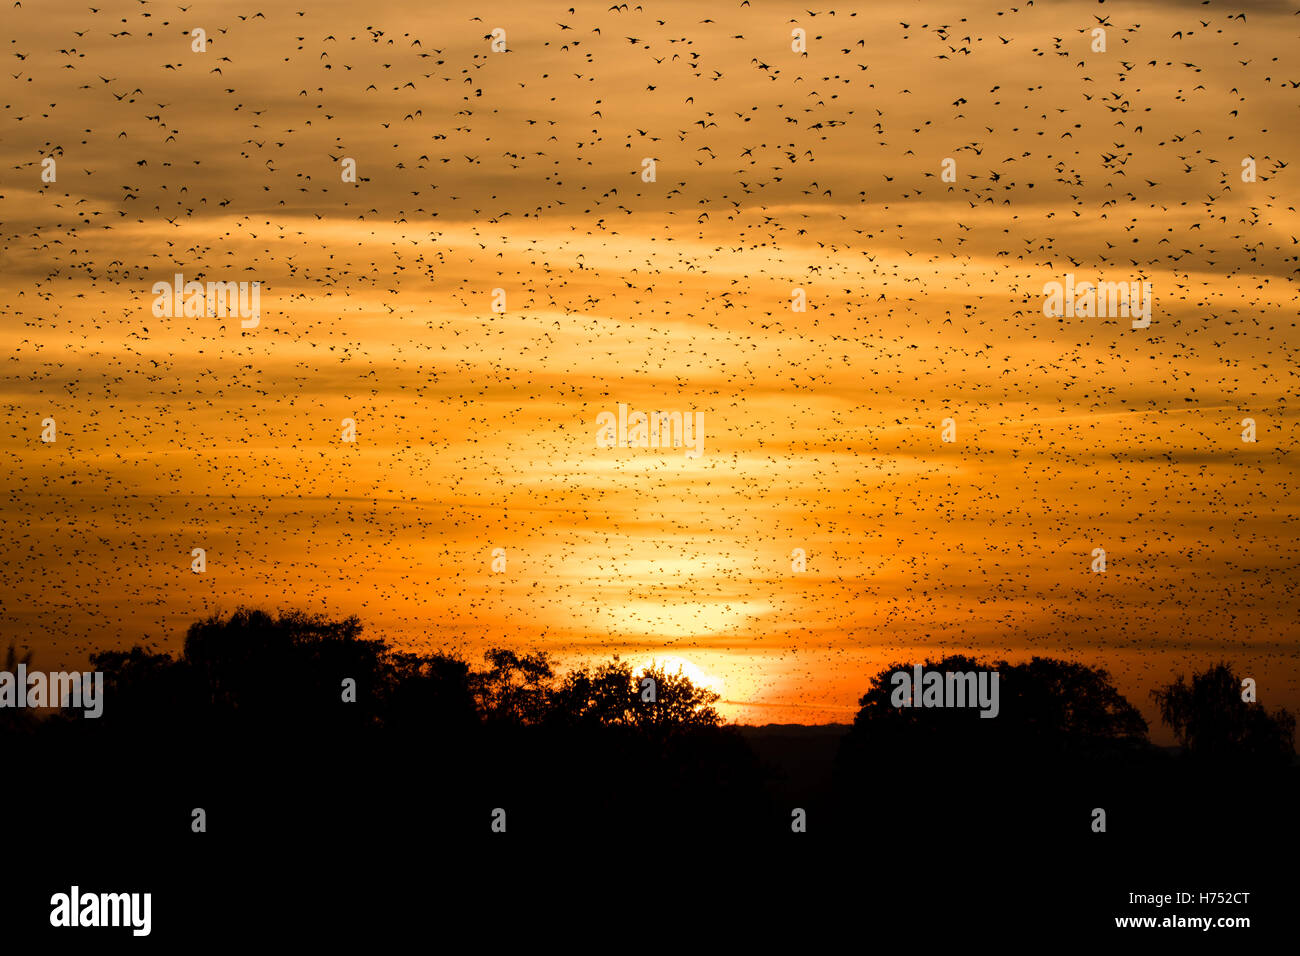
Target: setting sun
<point>680,665</point>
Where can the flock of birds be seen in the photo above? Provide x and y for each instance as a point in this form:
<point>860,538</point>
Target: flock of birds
<point>642,188</point>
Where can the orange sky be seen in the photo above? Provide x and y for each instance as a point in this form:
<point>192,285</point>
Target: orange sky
<point>477,430</point>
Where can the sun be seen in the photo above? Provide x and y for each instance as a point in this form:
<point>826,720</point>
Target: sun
<point>680,665</point>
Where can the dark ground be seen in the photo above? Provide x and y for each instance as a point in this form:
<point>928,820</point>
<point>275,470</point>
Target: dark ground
<point>350,842</point>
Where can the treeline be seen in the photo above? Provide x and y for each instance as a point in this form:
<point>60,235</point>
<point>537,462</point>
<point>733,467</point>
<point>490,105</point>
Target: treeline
<point>299,724</point>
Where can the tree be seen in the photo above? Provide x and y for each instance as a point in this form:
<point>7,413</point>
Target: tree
<point>1045,706</point>
<point>285,670</point>
<point>423,691</point>
<point>15,720</point>
<point>515,689</point>
<point>141,686</point>
<point>1050,714</point>
<point>1059,705</point>
<point>678,702</point>
<point>601,697</point>
<point>1210,719</point>
<point>611,695</point>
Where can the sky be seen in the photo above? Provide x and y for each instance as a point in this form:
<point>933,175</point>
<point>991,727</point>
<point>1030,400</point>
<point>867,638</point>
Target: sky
<point>525,171</point>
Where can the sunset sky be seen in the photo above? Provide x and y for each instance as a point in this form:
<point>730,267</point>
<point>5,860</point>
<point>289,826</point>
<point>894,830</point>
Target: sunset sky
<point>477,430</point>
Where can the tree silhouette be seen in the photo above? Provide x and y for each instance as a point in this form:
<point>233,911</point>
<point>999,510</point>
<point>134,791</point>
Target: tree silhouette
<point>611,695</point>
<point>1210,719</point>
<point>285,669</point>
<point>16,720</point>
<point>1047,707</point>
<point>1060,706</point>
<point>423,691</point>
<point>249,722</point>
<point>602,696</point>
<point>515,689</point>
<point>1056,720</point>
<point>141,686</point>
<point>678,702</point>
